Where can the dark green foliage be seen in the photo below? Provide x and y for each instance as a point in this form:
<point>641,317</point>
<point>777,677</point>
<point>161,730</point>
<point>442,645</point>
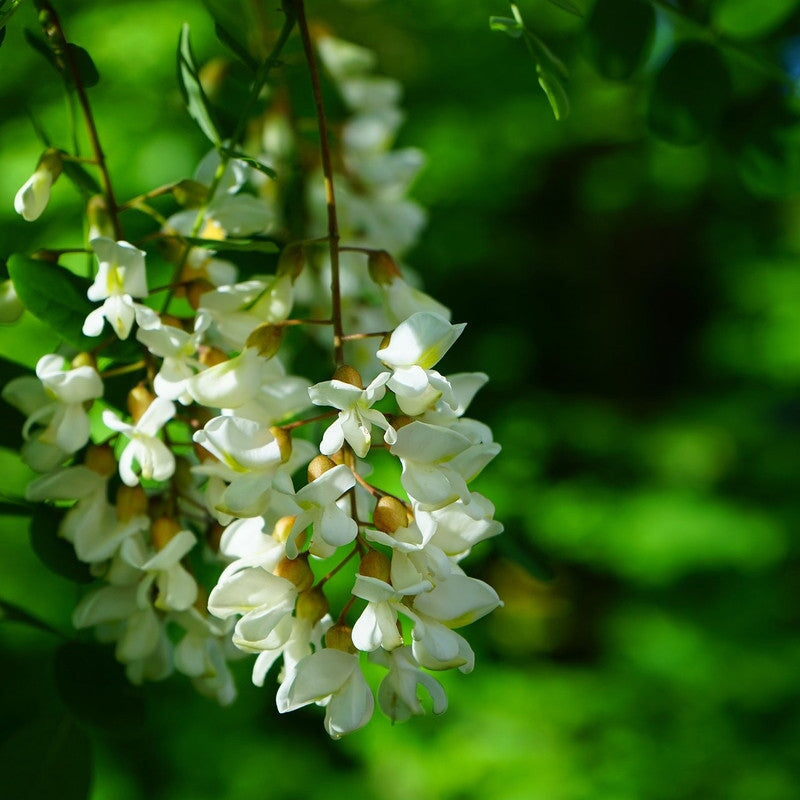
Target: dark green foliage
<point>689,94</point>
<point>47,758</point>
<point>93,686</point>
<point>619,36</point>
<point>55,553</point>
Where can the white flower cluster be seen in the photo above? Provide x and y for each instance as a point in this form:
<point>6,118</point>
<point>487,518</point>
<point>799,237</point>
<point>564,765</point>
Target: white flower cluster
<point>203,469</point>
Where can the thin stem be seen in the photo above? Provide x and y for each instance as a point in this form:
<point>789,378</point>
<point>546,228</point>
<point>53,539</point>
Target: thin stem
<point>124,370</point>
<point>290,426</point>
<point>54,32</point>
<point>352,337</point>
<point>347,558</point>
<point>225,156</point>
<point>327,172</point>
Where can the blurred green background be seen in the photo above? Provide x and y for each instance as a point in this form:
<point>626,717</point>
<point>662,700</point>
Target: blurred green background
<point>637,305</point>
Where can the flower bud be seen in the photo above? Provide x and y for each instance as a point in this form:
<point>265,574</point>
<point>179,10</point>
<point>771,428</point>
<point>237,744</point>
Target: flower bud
<point>319,466</point>
<point>33,196</point>
<point>376,565</point>
<point>340,637</point>
<point>312,605</point>
<point>266,338</point>
<point>173,322</point>
<point>201,602</point>
<point>292,260</point>
<point>83,360</point>
<point>284,440</point>
<point>139,400</point>
<point>99,216</point>
<point>211,356</point>
<point>282,529</point>
<point>11,307</point>
<point>347,374</point>
<point>100,459</point>
<point>297,571</point>
<point>189,193</point>
<point>382,267</point>
<point>389,515</point>
<point>131,502</point>
<point>401,420</point>
<point>195,291</point>
<point>163,530</point>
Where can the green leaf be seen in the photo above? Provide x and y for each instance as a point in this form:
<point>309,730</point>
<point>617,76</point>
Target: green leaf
<point>250,161</point>
<point>11,612</point>
<point>2,34</point>
<point>55,553</point>
<point>54,295</point>
<point>93,686</point>
<point>87,71</point>
<point>750,19</point>
<point>506,25</point>
<point>570,8</point>
<point>45,759</point>
<point>556,94</point>
<point>689,95</point>
<point>236,47</point>
<point>620,36</point>
<point>195,98</point>
<point>6,12</point>
<point>234,245</point>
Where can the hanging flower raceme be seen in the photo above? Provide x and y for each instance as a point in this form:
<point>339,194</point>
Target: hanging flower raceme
<point>229,460</point>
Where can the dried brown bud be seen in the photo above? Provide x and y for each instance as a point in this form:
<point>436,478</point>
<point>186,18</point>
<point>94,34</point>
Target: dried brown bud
<point>284,440</point>
<point>163,530</point>
<point>100,459</point>
<point>312,605</point>
<point>195,291</point>
<point>131,502</point>
<point>319,466</point>
<point>389,515</point>
<point>83,360</point>
<point>139,400</point>
<point>211,356</point>
<point>282,529</point>
<point>292,260</point>
<point>266,338</point>
<point>297,571</point>
<point>382,268</point>
<point>347,374</point>
<point>376,565</point>
<point>340,637</point>
<point>400,421</point>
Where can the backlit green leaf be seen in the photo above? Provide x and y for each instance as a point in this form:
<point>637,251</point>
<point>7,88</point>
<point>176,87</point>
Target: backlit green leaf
<point>195,98</point>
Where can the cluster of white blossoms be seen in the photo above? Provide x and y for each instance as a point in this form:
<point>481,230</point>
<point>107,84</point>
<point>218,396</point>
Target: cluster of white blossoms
<point>225,459</point>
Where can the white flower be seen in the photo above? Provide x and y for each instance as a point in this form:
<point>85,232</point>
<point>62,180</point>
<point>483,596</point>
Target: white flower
<point>33,196</point>
<point>229,384</point>
<point>315,504</point>
<point>438,462</point>
<point>120,277</point>
<point>397,694</point>
<point>333,678</point>
<point>414,347</point>
<point>54,402</point>
<point>263,600</point>
<point>177,348</point>
<point>356,417</point>
<point>155,459</point>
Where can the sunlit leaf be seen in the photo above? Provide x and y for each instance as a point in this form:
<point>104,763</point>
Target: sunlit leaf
<point>506,25</point>
<point>689,94</point>
<point>195,98</point>
<point>556,94</point>
<point>619,36</point>
<point>749,19</point>
<point>54,295</point>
